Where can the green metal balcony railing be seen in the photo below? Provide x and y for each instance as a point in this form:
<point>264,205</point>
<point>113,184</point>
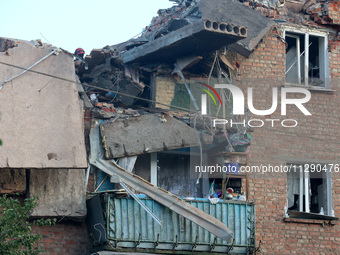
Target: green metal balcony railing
<point>129,227</point>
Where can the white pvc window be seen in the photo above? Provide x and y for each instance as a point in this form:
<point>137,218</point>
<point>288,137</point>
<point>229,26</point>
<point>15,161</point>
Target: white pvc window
<point>309,188</point>
<point>307,61</point>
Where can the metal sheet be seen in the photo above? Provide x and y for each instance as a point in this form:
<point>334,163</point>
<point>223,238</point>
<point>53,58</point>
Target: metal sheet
<point>128,224</point>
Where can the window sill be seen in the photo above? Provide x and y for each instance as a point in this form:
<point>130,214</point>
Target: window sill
<point>310,221</point>
<point>309,218</point>
<point>311,88</point>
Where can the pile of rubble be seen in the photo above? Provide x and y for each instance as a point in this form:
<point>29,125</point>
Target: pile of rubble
<point>106,79</point>
<point>172,18</point>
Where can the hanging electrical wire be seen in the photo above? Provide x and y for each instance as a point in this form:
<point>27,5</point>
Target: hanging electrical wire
<point>334,140</point>
<point>55,51</point>
<point>99,88</point>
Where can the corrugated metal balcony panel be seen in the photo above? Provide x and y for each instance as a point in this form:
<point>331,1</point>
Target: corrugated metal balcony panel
<point>129,224</point>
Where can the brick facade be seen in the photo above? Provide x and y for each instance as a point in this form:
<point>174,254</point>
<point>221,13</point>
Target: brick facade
<point>313,139</point>
<point>64,238</point>
<point>165,90</point>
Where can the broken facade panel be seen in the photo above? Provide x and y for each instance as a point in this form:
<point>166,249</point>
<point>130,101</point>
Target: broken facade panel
<point>40,113</point>
<point>61,193</point>
<point>41,129</point>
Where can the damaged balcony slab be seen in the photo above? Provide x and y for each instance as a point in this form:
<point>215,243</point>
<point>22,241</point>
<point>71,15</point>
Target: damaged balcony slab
<point>247,27</point>
<point>234,12</point>
<point>60,191</point>
<point>197,38</point>
<point>148,133</point>
<point>41,118</point>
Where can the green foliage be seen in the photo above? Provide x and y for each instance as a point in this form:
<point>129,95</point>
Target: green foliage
<point>16,235</point>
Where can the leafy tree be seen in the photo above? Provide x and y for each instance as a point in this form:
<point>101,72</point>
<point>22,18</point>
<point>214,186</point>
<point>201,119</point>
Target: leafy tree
<point>16,237</point>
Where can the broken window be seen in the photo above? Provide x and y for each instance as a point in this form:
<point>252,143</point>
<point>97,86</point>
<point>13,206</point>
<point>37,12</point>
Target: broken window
<point>306,59</point>
<point>309,188</point>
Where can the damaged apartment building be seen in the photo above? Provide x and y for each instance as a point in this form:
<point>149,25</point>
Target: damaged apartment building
<point>126,153</point>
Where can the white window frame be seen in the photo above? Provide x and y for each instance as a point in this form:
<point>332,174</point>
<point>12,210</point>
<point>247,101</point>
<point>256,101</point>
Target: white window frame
<point>304,185</point>
<point>323,54</point>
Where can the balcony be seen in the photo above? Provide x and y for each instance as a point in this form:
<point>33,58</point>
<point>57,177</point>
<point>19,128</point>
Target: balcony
<point>130,228</point>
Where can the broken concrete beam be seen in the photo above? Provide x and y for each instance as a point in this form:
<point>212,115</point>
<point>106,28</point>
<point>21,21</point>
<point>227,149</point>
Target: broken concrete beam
<point>12,181</point>
<point>197,38</point>
<point>146,134</point>
<point>61,192</point>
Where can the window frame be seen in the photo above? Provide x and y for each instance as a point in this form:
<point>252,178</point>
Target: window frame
<point>323,55</point>
<point>304,185</point>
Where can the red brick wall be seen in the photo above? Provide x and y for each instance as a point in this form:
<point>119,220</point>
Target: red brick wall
<point>64,238</point>
<point>315,137</point>
<point>334,11</point>
<point>325,13</point>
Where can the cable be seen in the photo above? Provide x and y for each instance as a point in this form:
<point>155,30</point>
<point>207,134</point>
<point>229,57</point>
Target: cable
<point>152,101</point>
<point>27,69</point>
<point>99,88</point>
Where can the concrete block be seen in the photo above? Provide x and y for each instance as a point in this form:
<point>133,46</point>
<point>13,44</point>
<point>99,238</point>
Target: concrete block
<point>61,192</point>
